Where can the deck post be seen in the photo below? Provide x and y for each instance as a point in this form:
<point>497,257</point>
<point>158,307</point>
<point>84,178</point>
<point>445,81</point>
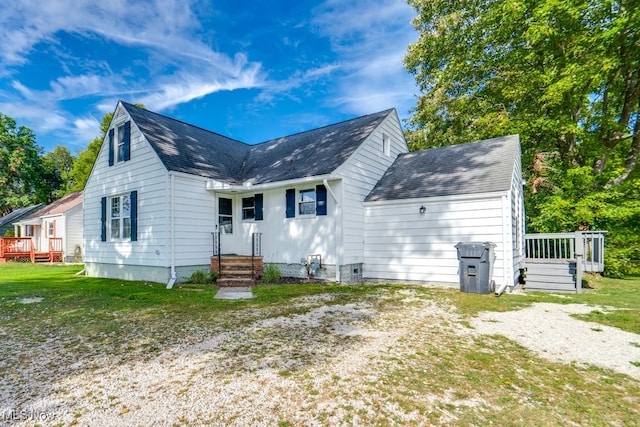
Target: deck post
<point>579,255</point>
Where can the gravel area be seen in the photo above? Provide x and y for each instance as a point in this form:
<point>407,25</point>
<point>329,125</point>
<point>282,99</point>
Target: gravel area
<point>310,368</point>
<point>550,331</point>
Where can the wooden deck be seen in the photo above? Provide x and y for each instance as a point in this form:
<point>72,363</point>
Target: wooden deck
<point>22,249</point>
<point>556,261</point>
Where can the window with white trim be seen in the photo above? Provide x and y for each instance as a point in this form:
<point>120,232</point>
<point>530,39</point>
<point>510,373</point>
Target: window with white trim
<point>307,203</point>
<point>225,215</point>
<point>51,229</point>
<point>120,146</point>
<point>120,217</point>
<point>248,208</point>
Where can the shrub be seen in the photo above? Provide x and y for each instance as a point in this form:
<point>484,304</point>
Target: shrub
<point>271,273</point>
<point>201,277</point>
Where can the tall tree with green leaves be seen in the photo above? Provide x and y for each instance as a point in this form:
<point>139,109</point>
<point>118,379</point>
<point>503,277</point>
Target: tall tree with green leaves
<point>56,170</point>
<point>565,75</point>
<point>86,158</point>
<point>20,166</point>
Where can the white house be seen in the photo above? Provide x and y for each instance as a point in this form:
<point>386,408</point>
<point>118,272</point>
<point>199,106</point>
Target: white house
<point>56,228</point>
<point>161,189</point>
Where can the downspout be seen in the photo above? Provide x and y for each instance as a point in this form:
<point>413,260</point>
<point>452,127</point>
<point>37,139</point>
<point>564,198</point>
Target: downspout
<point>172,240</point>
<point>506,272</point>
<point>338,230</point>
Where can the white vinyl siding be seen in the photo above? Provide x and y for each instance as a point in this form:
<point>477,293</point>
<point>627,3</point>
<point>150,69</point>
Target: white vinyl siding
<point>402,244</point>
<point>73,231</point>
<point>361,172</point>
<point>145,174</point>
<point>195,218</point>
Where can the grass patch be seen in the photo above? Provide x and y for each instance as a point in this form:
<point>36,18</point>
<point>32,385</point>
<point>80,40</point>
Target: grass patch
<point>51,319</point>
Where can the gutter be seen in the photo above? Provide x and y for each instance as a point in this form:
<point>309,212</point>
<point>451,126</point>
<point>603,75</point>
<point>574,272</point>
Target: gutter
<point>212,184</point>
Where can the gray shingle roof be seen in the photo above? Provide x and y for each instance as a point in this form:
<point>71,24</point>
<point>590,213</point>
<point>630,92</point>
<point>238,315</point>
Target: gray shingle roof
<point>315,152</point>
<point>186,148</point>
<point>476,167</point>
<point>6,222</point>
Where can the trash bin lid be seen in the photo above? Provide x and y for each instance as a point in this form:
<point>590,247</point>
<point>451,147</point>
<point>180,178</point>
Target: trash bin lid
<point>473,249</point>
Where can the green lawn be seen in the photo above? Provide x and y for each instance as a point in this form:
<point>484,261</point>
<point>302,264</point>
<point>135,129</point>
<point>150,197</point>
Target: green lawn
<point>432,374</point>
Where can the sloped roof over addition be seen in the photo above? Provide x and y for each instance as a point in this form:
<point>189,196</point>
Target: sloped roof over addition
<point>186,148</point>
<point>476,167</point>
<point>60,206</point>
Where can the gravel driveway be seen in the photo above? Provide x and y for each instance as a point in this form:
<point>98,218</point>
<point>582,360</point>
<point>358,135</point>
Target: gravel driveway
<point>314,368</point>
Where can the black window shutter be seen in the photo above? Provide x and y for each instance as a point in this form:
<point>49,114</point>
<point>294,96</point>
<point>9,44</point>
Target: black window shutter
<point>134,215</point>
<point>291,203</point>
<point>103,219</point>
<point>127,141</point>
<point>259,204</point>
<point>321,200</point>
<point>111,147</point>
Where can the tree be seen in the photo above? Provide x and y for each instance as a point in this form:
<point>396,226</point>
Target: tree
<point>57,166</point>
<point>565,75</point>
<point>87,157</point>
<point>20,166</point>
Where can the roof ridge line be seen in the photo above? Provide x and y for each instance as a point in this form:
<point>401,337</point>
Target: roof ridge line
<point>323,127</point>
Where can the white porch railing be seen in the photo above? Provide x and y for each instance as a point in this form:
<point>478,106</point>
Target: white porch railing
<point>586,245</point>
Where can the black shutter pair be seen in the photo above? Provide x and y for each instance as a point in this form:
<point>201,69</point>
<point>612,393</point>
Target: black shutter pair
<point>127,143</point>
<point>321,201</point>
<point>134,217</point>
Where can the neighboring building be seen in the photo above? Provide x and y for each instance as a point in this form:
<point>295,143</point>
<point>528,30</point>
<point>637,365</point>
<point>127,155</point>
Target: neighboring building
<point>160,189</point>
<point>57,227</point>
<point>6,222</point>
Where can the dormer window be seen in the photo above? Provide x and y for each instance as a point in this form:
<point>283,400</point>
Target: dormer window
<point>386,145</point>
<point>120,143</point>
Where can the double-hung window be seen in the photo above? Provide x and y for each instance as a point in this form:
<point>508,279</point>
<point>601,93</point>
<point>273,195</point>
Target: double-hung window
<point>307,202</point>
<point>248,208</point>
<point>120,143</point>
<point>120,219</point>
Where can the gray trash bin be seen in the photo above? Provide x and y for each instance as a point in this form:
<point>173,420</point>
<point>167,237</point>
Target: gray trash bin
<point>476,266</point>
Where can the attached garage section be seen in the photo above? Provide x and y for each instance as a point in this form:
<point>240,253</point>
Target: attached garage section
<point>401,243</point>
<point>428,201</point>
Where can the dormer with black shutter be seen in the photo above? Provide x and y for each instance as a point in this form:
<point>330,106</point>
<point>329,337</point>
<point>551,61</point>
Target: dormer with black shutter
<point>120,143</point>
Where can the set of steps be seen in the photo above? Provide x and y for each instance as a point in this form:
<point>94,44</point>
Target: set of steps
<point>237,270</point>
<point>559,276</point>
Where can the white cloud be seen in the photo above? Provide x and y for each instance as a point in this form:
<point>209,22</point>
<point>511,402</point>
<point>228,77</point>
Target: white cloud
<point>371,40</point>
<point>167,30</point>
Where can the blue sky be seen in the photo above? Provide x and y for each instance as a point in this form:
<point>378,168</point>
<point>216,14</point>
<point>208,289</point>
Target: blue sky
<point>249,70</point>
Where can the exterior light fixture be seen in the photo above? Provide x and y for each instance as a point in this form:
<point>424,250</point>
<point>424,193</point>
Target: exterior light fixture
<point>423,209</point>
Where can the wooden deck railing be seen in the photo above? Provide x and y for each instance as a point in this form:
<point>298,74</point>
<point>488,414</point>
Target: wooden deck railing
<point>588,246</point>
<point>55,248</point>
<point>18,248</point>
